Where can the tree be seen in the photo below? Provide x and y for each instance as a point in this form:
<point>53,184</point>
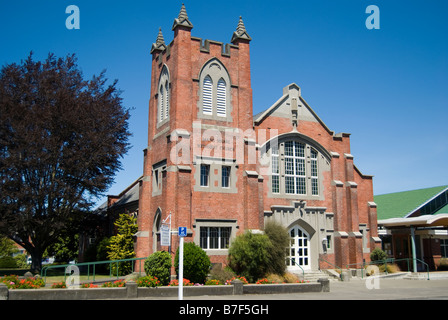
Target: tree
<point>64,249</point>
<point>61,141</point>
<point>121,246</point>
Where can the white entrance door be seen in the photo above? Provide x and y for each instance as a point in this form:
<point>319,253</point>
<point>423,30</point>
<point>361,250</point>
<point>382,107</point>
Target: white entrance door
<point>299,250</point>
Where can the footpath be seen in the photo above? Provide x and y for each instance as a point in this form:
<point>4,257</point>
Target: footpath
<point>405,287</point>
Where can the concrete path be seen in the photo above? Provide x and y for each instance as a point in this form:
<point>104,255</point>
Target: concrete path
<point>358,289</point>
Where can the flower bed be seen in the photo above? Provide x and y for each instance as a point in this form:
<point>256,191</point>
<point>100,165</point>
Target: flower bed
<point>13,282</point>
<point>132,291</point>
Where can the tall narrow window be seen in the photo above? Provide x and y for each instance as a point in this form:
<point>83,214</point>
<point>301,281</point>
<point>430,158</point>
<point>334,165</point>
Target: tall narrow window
<point>295,182</point>
<point>207,94</point>
<point>166,100</point>
<point>163,103</point>
<point>225,179</point>
<point>205,170</point>
<point>221,98</point>
<point>314,174</point>
<point>275,170</point>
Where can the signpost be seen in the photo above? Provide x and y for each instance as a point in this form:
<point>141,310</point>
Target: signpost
<point>165,232</point>
<point>165,235</point>
<point>182,233</point>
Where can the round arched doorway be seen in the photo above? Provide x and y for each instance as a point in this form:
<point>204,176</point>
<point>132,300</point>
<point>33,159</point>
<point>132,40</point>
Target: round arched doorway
<point>298,253</point>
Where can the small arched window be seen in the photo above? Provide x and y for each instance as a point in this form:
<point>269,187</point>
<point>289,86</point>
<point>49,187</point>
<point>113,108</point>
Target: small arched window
<point>214,92</point>
<point>207,94</point>
<point>163,104</point>
<point>221,94</point>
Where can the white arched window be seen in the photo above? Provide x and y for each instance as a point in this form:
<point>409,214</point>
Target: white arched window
<point>214,92</point>
<point>207,94</point>
<point>163,103</point>
<point>221,94</point>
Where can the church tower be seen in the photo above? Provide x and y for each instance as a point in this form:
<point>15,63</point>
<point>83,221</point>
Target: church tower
<point>200,94</point>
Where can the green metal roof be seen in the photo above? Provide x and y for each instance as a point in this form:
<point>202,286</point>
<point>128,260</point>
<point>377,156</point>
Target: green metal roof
<point>399,204</point>
<point>444,209</point>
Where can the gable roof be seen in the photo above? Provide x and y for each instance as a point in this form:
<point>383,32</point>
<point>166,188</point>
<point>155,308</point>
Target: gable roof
<point>404,204</point>
<point>291,91</point>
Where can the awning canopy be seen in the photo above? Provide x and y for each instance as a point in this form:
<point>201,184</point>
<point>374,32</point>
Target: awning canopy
<point>435,220</point>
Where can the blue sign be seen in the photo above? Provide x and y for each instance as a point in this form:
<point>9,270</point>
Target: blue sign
<point>182,231</point>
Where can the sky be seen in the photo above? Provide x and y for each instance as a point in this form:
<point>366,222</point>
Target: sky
<point>388,87</point>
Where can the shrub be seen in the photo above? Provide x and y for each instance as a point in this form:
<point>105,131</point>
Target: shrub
<point>221,274</point>
<point>196,263</point>
<point>290,278</point>
<point>249,255</point>
<point>377,254</point>
<point>158,265</point>
<point>121,246</point>
<point>275,278</point>
<point>21,261</point>
<point>8,262</point>
<point>443,264</point>
<point>391,268</point>
<point>280,240</point>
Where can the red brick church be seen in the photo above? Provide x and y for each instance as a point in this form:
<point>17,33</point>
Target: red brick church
<point>217,169</point>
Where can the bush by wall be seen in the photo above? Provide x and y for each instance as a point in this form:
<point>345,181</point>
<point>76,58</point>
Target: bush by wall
<point>249,255</point>
<point>196,263</point>
<point>158,265</point>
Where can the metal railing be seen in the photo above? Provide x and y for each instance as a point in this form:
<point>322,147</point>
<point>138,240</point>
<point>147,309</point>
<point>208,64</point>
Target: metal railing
<point>303,271</point>
<point>331,264</point>
<point>44,270</point>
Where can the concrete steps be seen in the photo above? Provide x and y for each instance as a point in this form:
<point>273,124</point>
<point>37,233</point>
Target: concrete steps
<point>313,275</point>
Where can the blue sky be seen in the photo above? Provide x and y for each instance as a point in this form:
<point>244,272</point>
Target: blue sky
<point>387,87</point>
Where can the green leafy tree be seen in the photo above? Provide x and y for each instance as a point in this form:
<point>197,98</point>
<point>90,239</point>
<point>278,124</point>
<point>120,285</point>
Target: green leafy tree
<point>249,255</point>
<point>159,265</point>
<point>196,263</point>
<point>121,246</point>
<point>64,249</point>
<point>61,141</point>
<point>7,247</point>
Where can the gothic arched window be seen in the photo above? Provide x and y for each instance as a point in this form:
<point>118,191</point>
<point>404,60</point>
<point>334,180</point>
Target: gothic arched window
<point>214,92</point>
<point>163,103</point>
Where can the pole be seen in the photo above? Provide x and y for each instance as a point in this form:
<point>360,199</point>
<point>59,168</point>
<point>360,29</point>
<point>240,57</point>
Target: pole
<point>414,255</point>
<point>181,268</point>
